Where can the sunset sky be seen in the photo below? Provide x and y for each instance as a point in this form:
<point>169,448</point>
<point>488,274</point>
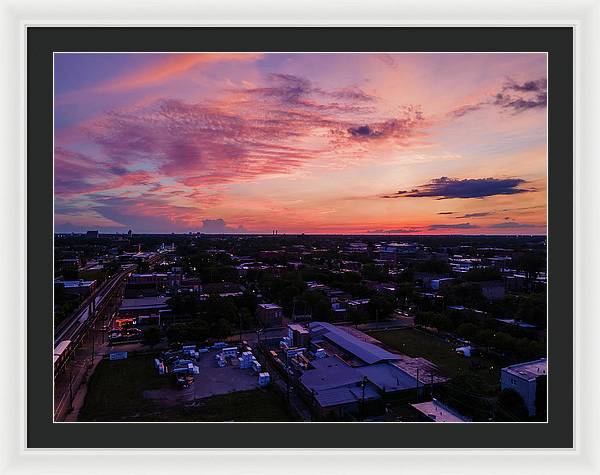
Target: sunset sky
<point>407,143</point>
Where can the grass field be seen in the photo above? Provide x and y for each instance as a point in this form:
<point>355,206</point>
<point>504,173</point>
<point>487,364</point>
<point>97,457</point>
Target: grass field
<point>115,393</point>
<point>483,380</point>
<point>257,405</point>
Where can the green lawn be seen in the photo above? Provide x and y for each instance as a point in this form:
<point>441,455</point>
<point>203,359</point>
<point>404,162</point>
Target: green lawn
<point>258,405</point>
<point>115,389</point>
<point>115,393</point>
<point>484,380</point>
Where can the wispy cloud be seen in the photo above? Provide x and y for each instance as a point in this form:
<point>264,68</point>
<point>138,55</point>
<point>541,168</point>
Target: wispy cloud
<point>408,230</point>
<point>476,215</point>
<point>438,227</point>
<point>169,68</point>
<point>513,96</point>
<point>512,225</point>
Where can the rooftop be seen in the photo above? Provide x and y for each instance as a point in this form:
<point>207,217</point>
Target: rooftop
<point>142,303</point>
<point>328,373</point>
<point>529,370</point>
<point>439,412</point>
<point>344,395</point>
<point>71,284</point>
<point>388,377</point>
<point>269,306</point>
<point>297,327</point>
<point>367,352</point>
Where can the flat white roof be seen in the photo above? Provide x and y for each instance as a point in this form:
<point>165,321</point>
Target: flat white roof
<point>297,327</point>
<point>269,306</point>
<point>439,412</point>
<point>529,370</point>
<point>77,283</point>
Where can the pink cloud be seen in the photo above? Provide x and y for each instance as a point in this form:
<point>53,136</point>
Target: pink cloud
<point>256,132</point>
<point>172,66</point>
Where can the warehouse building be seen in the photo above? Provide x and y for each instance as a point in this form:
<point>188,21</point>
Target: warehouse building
<point>355,375</point>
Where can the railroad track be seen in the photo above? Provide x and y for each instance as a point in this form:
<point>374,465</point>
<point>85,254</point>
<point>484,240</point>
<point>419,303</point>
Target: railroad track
<point>74,325</point>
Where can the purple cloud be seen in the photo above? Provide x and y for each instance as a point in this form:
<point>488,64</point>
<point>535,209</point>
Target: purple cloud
<point>512,225</point>
<point>448,188</point>
<point>514,96</point>
<point>437,227</point>
<point>476,215</point>
<point>219,226</point>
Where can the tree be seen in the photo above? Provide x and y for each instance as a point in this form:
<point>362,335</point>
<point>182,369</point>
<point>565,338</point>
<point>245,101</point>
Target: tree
<point>70,274</point>
<point>466,330</point>
<point>482,274</point>
<point>319,305</point>
<point>467,294</point>
<point>357,315</point>
<point>531,264</point>
<point>373,272</point>
<point>177,333</point>
<point>143,267</point>
<point>532,309</point>
<point>540,398</point>
<point>151,336</point>
<point>221,328</point>
<point>405,293</point>
<point>381,307</point>
<point>183,304</point>
<point>511,402</point>
<point>434,266</point>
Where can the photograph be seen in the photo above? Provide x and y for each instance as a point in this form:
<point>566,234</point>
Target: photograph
<point>299,237</point>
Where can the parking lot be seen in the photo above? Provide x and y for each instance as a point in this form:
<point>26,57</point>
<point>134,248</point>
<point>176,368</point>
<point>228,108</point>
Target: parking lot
<point>211,381</point>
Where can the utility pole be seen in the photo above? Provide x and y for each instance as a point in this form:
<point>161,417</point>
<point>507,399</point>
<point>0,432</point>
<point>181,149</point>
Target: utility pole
<point>93,343</point>
<point>432,384</point>
<point>362,410</point>
<point>418,384</point>
<point>70,390</point>
<point>287,376</point>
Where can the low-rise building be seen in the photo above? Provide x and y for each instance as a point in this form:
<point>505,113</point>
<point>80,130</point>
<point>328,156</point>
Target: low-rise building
<point>525,378</point>
<point>439,412</point>
<point>143,306</point>
<point>355,375</point>
<point>393,251</point>
<point>299,335</point>
<point>493,289</point>
<point>77,287</point>
<point>269,314</point>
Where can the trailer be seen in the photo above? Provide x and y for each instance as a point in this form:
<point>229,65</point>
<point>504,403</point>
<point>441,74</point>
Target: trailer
<point>61,353</point>
<point>230,352</point>
<point>264,379</point>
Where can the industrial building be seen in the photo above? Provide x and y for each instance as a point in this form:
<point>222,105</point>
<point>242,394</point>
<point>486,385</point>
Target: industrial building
<point>143,306</point>
<point>77,287</point>
<point>347,374</point>
<point>525,378</point>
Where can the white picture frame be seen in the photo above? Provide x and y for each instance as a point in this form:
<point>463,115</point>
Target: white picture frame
<point>583,15</point>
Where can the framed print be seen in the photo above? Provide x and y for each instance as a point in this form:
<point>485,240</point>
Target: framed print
<point>273,240</point>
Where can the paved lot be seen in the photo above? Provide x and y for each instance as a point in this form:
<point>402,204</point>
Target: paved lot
<point>211,381</point>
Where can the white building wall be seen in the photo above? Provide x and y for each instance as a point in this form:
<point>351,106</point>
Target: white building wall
<point>527,389</point>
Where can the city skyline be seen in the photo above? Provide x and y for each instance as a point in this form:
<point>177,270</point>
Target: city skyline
<point>332,143</point>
